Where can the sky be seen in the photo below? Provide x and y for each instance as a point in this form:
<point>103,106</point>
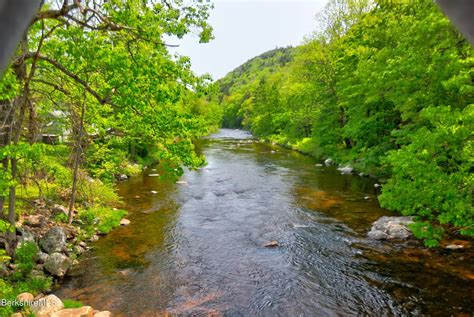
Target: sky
<point>246,28</point>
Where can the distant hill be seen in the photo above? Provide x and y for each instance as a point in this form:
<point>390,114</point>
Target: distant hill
<point>257,67</point>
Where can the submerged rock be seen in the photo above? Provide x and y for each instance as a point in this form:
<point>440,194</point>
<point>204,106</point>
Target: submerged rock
<point>390,228</point>
<point>271,244</point>
<point>57,264</point>
<point>54,240</point>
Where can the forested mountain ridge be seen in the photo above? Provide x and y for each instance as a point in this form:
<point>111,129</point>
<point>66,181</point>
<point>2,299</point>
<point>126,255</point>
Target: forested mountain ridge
<point>267,62</point>
<point>236,86</point>
<point>386,87</point>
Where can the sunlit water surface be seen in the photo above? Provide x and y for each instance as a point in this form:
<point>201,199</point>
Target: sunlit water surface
<point>197,248</point>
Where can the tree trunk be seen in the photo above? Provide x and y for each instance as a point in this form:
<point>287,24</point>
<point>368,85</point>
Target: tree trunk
<point>76,161</point>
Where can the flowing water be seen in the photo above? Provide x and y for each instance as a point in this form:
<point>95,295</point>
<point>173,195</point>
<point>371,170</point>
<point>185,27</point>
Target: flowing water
<point>197,248</point>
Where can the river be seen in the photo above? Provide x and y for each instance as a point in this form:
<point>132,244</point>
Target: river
<point>196,248</point>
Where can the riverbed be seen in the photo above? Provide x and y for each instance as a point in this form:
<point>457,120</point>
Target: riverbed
<point>197,247</point>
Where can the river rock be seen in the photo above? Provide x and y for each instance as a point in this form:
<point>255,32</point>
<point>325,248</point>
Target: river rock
<point>57,264</point>
<point>318,165</point>
<point>59,209</point>
<point>271,244</point>
<point>84,311</point>
<point>328,161</point>
<point>25,297</point>
<point>26,236</point>
<point>78,249</point>
<point>34,220</point>
<point>104,313</point>
<point>122,177</point>
<point>345,169</point>
<point>389,228</point>
<point>153,175</point>
<point>124,222</point>
<point>41,257</point>
<point>46,306</point>
<point>54,240</point>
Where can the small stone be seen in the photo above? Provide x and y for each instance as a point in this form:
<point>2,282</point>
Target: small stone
<point>345,169</point>
<point>181,182</point>
<point>26,236</point>
<point>271,244</point>
<point>83,244</point>
<point>454,247</point>
<point>318,165</point>
<point>34,220</point>
<point>46,306</point>
<point>154,192</point>
<point>94,238</point>
<point>124,222</point>
<point>153,175</point>
<point>122,177</point>
<point>361,174</point>
<point>41,257</point>
<point>25,297</point>
<point>84,311</point>
<point>59,209</point>
<point>328,162</point>
<point>377,185</point>
<point>366,197</point>
<point>78,249</point>
<point>104,313</point>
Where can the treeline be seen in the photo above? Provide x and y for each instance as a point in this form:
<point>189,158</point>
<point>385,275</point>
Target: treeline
<point>93,93</point>
<point>386,86</point>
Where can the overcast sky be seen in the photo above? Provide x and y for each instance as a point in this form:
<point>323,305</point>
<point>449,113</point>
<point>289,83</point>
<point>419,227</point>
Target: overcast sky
<point>246,28</point>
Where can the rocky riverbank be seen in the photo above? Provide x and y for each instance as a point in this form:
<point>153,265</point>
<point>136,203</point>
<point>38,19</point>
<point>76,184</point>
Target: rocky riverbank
<point>57,247</point>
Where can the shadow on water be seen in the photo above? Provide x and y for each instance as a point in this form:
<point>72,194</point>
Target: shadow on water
<point>197,248</point>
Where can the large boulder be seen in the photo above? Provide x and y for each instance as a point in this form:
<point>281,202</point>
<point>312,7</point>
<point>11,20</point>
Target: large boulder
<point>54,240</point>
<point>57,264</point>
<point>46,306</point>
<point>390,228</point>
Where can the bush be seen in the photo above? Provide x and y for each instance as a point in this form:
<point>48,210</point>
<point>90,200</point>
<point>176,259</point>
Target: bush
<point>105,219</point>
<point>25,257</point>
<point>70,303</point>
